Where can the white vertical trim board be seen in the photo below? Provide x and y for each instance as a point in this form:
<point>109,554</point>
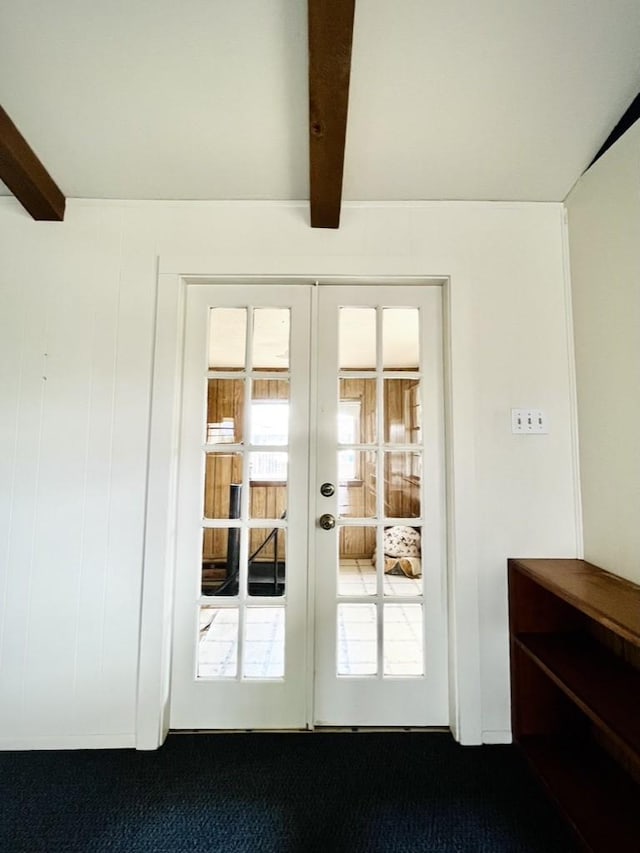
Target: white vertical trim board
<point>152,721</point>
<point>573,386</point>
<point>311,527</point>
<point>465,697</point>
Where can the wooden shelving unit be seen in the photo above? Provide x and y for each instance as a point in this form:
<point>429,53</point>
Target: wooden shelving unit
<point>575,684</point>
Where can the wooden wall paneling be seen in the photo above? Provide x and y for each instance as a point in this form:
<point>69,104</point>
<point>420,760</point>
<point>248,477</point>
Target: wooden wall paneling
<point>351,500</point>
<point>267,501</point>
<point>414,415</point>
<point>277,503</point>
<point>259,535</point>
<point>352,542</point>
<point>239,394</point>
<point>364,391</point>
<point>404,486</point>
<point>393,410</point>
<point>270,389</point>
<point>358,499</point>
<point>403,493</point>
<point>368,411</point>
<point>207,545</point>
<point>370,485</point>
<point>369,541</point>
<point>401,410</point>
<point>350,389</point>
<point>258,501</point>
<point>393,498</point>
<point>270,501</point>
<point>225,399</point>
<point>357,543</point>
<point>221,470</point>
<point>213,392</point>
<point>402,497</point>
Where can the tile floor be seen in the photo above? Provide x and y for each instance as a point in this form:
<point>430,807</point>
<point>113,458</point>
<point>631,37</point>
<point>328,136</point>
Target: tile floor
<point>357,627</point>
<point>358,577</point>
<point>263,648</point>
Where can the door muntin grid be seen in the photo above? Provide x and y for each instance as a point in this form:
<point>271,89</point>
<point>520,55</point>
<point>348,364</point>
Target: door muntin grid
<point>243,591</point>
<point>380,595</point>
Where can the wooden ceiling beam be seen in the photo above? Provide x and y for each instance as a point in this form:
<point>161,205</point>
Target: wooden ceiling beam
<point>26,177</point>
<point>330,40</point>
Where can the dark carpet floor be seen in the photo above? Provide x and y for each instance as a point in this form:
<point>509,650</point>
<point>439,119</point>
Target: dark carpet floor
<point>278,793</point>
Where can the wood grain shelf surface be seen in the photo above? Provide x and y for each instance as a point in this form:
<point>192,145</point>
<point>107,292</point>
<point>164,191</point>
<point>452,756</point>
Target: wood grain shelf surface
<point>608,599</point>
<point>595,679</point>
<point>595,796</point>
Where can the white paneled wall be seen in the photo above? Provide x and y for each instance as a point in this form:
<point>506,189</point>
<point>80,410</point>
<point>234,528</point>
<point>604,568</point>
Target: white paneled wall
<point>75,359</point>
<point>604,236</point>
<point>77,309</point>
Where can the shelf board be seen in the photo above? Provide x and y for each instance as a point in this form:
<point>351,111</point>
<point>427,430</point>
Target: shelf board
<point>610,600</point>
<point>604,688</point>
<point>595,796</point>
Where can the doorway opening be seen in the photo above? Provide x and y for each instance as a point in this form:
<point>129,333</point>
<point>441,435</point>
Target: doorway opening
<point>310,576</point>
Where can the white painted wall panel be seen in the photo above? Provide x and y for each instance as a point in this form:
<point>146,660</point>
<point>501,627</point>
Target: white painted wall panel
<point>22,334</point>
<point>604,234</point>
<point>57,506</point>
<point>93,647</point>
<point>74,447</point>
<point>69,669</point>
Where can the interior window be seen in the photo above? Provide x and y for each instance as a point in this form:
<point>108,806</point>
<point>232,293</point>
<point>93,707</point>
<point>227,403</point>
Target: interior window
<point>269,425</point>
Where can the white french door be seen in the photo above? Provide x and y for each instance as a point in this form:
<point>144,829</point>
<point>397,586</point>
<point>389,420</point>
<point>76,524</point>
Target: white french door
<point>307,600</point>
<point>381,654</point>
<point>240,648</point>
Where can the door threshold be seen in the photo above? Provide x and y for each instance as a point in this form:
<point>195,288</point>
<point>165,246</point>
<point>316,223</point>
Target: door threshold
<point>316,729</point>
<point>347,729</point>
<point>237,731</point>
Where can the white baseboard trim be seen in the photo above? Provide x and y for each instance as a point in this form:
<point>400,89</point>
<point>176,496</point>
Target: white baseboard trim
<point>119,741</point>
<point>497,737</point>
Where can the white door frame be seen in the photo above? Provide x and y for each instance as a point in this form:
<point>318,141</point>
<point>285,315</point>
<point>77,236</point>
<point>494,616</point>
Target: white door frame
<point>152,715</point>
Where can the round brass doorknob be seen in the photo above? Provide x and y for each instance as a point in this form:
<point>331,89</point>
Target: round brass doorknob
<point>327,521</point>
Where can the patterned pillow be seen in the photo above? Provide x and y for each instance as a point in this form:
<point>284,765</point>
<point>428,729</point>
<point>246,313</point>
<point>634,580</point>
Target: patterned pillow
<point>401,541</point>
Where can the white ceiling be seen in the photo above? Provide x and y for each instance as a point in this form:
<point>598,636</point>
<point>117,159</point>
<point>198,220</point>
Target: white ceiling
<point>190,99</point>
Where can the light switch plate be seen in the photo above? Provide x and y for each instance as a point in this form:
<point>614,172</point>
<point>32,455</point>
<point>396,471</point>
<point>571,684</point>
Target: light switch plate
<point>529,422</point>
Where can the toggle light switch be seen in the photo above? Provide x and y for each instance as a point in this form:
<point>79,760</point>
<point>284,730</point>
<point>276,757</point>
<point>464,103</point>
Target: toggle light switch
<point>529,422</point>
